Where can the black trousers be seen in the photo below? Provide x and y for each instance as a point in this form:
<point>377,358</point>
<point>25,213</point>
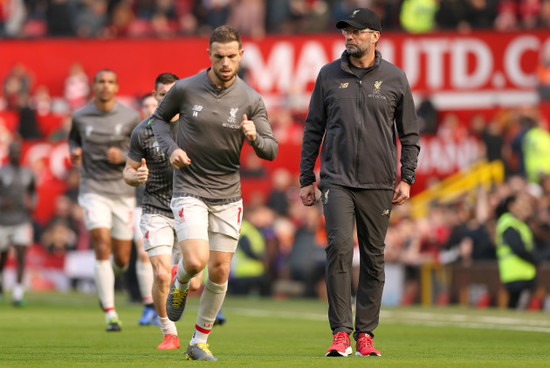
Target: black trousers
<point>370,210</point>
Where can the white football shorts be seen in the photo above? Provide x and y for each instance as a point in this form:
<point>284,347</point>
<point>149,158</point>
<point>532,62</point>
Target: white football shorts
<point>195,219</point>
<point>115,214</point>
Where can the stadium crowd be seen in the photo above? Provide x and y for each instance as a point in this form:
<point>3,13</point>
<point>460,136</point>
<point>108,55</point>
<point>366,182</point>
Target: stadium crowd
<point>255,18</point>
<point>291,249</point>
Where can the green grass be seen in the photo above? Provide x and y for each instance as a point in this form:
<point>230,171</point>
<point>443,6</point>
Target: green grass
<point>67,330</point>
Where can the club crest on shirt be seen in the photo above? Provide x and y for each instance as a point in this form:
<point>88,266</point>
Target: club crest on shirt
<point>232,120</point>
<point>376,92</point>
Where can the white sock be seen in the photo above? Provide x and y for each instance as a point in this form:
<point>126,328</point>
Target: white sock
<point>211,301</point>
<point>182,277</point>
<point>116,268</point>
<point>110,314</point>
<point>144,274</point>
<point>17,292</point>
<point>105,284</point>
<point>167,327</point>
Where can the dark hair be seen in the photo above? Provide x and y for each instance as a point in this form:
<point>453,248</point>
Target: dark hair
<point>106,70</point>
<point>225,34</point>
<point>165,78</point>
<point>504,205</point>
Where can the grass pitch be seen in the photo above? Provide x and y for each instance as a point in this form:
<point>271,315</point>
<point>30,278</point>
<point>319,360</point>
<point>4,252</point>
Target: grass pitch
<point>68,330</point>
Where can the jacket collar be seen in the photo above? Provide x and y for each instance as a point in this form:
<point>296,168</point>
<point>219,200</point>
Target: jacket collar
<point>345,62</point>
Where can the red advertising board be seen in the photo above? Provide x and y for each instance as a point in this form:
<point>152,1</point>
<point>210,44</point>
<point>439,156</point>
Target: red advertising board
<point>478,70</point>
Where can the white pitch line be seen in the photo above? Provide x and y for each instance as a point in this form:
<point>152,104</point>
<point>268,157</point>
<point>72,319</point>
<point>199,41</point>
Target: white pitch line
<point>418,318</point>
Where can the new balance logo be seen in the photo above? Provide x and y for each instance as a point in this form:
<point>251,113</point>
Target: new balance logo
<point>196,109</point>
<point>344,85</point>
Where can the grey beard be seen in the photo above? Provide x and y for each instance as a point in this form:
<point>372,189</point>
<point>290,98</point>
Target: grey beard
<point>356,52</point>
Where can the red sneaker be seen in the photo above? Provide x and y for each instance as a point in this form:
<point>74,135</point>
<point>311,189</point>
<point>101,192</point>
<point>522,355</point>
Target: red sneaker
<point>341,345</point>
<point>364,346</point>
<point>169,342</point>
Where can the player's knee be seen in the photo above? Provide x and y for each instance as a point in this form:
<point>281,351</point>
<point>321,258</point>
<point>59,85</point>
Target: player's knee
<point>162,276</point>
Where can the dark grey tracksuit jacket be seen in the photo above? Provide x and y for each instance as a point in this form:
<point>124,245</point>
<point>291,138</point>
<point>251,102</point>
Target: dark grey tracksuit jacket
<point>360,120</point>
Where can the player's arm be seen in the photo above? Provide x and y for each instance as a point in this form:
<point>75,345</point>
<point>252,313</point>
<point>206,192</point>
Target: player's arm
<point>406,123</point>
<point>75,144</point>
<point>135,173</point>
<point>314,131</point>
<point>258,133</point>
<point>160,123</point>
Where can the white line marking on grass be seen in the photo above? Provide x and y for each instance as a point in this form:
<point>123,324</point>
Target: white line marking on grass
<point>419,318</point>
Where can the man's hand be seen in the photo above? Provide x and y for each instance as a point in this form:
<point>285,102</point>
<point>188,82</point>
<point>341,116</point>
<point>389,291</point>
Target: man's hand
<point>114,155</point>
<point>249,129</point>
<point>307,194</point>
<point>76,156</point>
<point>402,193</point>
<point>142,173</point>
<point>179,159</point>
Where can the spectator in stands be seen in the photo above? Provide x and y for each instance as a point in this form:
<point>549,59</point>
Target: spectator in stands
<point>76,89</point>
<point>248,16</point>
<point>277,16</point>
<point>278,198</point>
<point>12,17</point>
<point>451,15</point>
<point>41,101</point>
<point>427,116</point>
<point>491,136</point>
<point>60,19</point>
<point>28,125</point>
<point>418,16</point>
<point>211,14</point>
<point>506,19</point>
<point>543,71</point>
<point>543,20</point>
<point>307,259</point>
<point>515,247</point>
<point>58,237</point>
<point>535,146</point>
<point>124,23</point>
<point>481,14</point>
<point>92,19</point>
<point>249,264</point>
<point>529,11</point>
<point>18,82</point>
<point>17,200</point>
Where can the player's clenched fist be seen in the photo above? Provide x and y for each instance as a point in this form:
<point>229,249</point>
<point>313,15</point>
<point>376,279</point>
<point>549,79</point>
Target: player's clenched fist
<point>249,129</point>
<point>179,159</point>
<point>114,155</point>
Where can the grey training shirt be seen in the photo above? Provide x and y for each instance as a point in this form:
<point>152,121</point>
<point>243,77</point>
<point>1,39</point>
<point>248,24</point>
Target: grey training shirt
<point>158,187</point>
<point>17,185</point>
<point>95,132</point>
<point>210,133</point>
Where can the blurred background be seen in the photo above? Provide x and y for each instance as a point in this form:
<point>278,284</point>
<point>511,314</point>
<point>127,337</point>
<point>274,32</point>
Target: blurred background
<point>479,71</point>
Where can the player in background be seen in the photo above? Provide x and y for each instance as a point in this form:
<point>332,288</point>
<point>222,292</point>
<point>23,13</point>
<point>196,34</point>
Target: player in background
<point>17,199</point>
<point>98,140</point>
<point>144,269</point>
<point>218,113</point>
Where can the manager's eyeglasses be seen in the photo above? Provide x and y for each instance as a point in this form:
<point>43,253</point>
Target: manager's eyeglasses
<point>356,32</point>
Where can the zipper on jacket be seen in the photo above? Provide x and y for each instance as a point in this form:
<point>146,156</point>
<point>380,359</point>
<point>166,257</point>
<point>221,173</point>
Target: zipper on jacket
<point>359,124</point>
